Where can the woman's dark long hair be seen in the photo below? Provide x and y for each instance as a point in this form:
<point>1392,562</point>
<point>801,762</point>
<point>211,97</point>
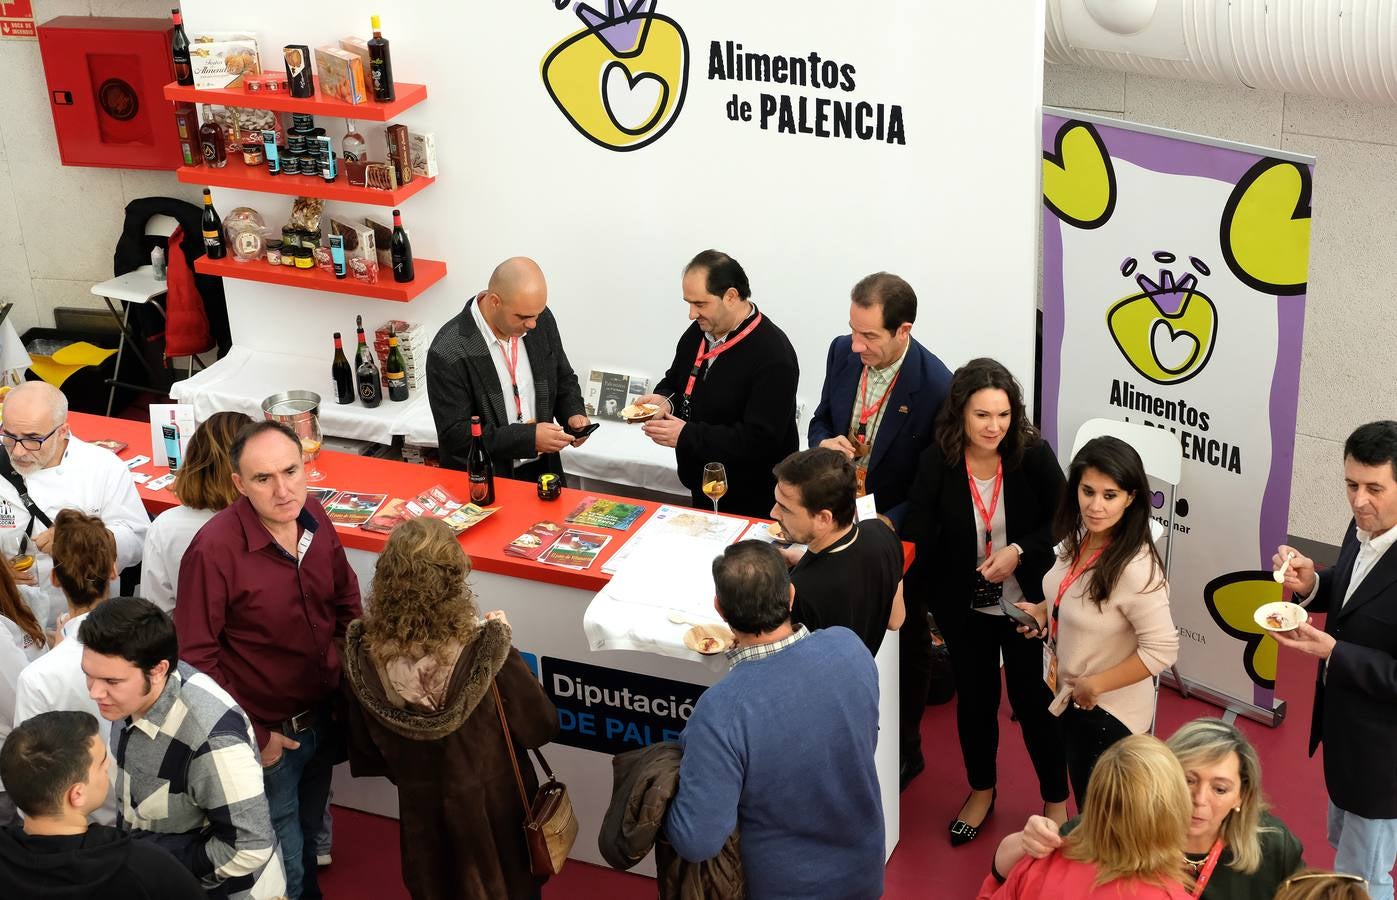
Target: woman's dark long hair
<point>978,375</point>
<point>13,607</point>
<point>1119,462</point>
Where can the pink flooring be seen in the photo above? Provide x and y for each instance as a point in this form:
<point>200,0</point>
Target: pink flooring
<point>924,864</point>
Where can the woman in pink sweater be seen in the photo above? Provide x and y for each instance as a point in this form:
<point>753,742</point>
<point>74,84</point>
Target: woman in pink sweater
<point>1105,615</point>
<point>1129,845</point>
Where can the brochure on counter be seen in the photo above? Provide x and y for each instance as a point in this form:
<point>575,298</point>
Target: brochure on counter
<point>378,513</point>
<point>605,513</point>
<point>550,543</point>
<point>701,534</point>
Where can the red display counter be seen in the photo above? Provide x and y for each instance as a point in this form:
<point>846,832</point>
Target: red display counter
<point>609,701</point>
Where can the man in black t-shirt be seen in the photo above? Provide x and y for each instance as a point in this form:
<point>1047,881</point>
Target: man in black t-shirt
<point>55,768</point>
<point>852,573</point>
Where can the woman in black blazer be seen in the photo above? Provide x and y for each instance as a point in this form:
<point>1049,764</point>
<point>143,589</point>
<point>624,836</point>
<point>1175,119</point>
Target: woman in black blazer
<point>984,439</point>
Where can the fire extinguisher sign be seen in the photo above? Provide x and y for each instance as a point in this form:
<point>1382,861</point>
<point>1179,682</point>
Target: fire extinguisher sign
<point>17,20</point>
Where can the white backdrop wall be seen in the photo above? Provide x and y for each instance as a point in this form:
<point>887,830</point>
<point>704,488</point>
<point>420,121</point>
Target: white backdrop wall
<point>953,210</point>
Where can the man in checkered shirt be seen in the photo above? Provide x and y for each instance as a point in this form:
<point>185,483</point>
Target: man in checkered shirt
<point>188,773</point>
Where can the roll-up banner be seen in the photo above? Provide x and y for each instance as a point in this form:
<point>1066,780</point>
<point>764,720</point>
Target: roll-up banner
<point>1174,278</point>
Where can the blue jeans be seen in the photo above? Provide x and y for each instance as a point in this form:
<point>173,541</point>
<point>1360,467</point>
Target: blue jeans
<point>1364,847</point>
<point>298,787</point>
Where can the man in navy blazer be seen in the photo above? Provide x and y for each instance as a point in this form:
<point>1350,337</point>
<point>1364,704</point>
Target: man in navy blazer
<point>882,392</point>
<point>1355,710</point>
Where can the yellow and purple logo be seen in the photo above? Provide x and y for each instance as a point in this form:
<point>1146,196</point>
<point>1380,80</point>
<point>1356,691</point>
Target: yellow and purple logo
<point>622,79</point>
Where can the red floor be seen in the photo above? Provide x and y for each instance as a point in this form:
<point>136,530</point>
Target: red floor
<point>924,865</point>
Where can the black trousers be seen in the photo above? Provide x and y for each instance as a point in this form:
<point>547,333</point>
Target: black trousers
<point>976,642</point>
<point>1086,733</point>
<point>914,663</point>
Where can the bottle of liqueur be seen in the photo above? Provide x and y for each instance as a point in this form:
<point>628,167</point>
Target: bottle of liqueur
<point>213,141</point>
<point>380,66</point>
<point>366,371</point>
<point>179,50</point>
<point>212,226</point>
<point>401,250</point>
<point>395,370</point>
<point>352,144</point>
<point>479,468</point>
<point>342,374</point>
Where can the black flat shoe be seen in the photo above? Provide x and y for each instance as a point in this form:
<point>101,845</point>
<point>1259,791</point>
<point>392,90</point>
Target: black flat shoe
<point>911,767</point>
<point>962,833</point>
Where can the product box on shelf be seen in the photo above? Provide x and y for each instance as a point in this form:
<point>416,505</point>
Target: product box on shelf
<point>383,237</point>
<point>222,59</point>
<point>423,152</point>
<point>358,239</point>
<point>341,74</point>
<point>360,48</point>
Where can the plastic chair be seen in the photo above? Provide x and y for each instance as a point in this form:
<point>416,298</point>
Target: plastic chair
<point>1164,460</point>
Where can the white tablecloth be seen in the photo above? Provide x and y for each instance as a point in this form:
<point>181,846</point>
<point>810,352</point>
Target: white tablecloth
<point>244,378</point>
<point>616,452</point>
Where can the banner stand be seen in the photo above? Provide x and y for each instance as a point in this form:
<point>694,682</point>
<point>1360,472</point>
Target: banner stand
<point>1272,717</point>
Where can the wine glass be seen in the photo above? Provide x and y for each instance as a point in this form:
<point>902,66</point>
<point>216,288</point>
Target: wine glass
<point>311,438</point>
<point>715,482</point>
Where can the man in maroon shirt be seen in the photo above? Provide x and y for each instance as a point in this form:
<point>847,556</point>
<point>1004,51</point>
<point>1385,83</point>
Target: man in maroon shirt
<point>265,593</point>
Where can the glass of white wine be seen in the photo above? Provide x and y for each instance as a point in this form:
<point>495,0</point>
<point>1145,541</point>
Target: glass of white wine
<point>311,439</point>
<point>715,482</point>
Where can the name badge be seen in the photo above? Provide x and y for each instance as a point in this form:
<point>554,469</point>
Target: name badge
<point>1050,668</point>
<point>865,508</point>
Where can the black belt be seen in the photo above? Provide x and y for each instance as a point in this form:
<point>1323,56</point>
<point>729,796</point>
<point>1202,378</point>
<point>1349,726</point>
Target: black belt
<point>302,721</point>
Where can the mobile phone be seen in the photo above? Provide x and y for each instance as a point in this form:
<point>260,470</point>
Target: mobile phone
<point>579,435</point>
<point>1023,617</point>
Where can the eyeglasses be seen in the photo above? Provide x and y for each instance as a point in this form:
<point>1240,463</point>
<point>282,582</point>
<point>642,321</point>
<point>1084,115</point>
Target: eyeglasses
<point>28,443</point>
<point>1342,876</point>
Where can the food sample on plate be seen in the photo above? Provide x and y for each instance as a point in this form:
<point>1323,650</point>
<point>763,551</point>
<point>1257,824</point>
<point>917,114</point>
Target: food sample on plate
<point>1280,616</point>
<point>774,529</point>
<point>639,412</point>
<point>708,639</point>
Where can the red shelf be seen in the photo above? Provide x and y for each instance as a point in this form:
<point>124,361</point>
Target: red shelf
<point>408,96</point>
<point>428,272</point>
<point>257,178</point>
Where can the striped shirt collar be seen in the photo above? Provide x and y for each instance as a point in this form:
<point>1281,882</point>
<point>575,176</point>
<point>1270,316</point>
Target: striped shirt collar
<point>762,651</point>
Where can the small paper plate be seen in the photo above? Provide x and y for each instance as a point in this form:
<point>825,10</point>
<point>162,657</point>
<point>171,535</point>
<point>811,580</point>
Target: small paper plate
<point>774,529</point>
<point>641,415</point>
<point>708,639</point>
<point>1290,615</point>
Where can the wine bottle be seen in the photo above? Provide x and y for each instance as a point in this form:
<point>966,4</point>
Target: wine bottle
<point>479,468</point>
<point>402,251</point>
<point>366,371</point>
<point>179,50</point>
<point>212,226</point>
<point>395,370</point>
<point>380,66</point>
<point>352,144</point>
<point>342,374</point>
<point>213,141</point>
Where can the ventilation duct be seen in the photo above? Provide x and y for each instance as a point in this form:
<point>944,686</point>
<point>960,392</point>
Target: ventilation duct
<point>1344,49</point>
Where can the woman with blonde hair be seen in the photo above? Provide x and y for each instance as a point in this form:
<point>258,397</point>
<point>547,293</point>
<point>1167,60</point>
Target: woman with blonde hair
<point>204,485</point>
<point>418,671</point>
<point>1314,884</point>
<point>1129,842</point>
<point>1235,849</point>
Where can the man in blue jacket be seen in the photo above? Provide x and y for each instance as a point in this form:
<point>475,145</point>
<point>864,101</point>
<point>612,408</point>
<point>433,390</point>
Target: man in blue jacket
<point>782,748</point>
<point>882,392</point>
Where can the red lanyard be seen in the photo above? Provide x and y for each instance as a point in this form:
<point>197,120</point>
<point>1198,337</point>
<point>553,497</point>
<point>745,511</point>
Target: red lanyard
<point>1073,573</point>
<point>700,358</point>
<point>986,516</point>
<point>511,359</point>
<point>1208,866</point>
<point>871,411</point>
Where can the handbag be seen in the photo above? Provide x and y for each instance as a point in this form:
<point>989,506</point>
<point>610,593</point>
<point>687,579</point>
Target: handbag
<point>550,828</point>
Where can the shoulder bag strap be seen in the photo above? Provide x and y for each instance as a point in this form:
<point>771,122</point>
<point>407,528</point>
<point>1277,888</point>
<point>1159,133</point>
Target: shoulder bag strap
<point>509,746</point>
<point>16,481</point>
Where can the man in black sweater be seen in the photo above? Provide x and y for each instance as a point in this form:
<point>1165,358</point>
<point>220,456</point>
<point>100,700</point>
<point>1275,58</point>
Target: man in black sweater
<point>55,769</point>
<point>729,396</point>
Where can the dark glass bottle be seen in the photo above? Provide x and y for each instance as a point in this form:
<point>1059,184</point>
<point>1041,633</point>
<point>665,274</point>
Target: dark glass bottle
<point>179,50</point>
<point>380,66</point>
<point>213,141</point>
<point>342,374</point>
<point>402,251</point>
<point>479,468</point>
<point>395,370</point>
<point>212,226</point>
<point>366,372</point>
